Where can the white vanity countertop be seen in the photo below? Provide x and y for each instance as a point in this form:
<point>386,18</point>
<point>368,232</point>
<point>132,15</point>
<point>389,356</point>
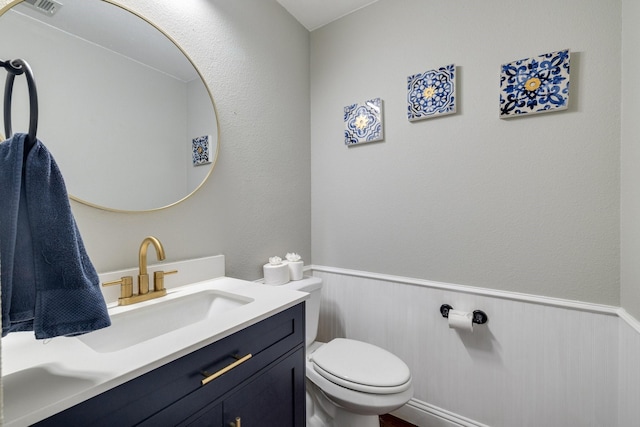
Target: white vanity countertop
<point>44,377</point>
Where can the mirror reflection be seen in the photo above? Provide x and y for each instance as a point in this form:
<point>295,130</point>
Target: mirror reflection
<point>121,108</point>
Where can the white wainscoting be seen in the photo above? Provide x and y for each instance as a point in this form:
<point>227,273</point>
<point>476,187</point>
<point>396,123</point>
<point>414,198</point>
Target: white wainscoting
<point>629,366</point>
<point>537,362</point>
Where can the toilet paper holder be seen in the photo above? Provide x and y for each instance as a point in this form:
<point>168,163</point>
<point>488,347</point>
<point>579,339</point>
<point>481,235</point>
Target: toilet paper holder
<point>479,316</point>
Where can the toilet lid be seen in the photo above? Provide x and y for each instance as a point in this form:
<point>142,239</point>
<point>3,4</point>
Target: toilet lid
<point>361,366</point>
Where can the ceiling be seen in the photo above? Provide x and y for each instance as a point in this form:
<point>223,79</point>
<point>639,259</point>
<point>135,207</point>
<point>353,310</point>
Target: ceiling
<point>314,14</point>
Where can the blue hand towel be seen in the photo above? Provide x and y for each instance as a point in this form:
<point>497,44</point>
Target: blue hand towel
<point>49,284</point>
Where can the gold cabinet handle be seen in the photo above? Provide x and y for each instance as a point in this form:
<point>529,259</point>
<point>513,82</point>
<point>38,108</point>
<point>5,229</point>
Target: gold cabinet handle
<point>226,369</point>
<point>236,424</point>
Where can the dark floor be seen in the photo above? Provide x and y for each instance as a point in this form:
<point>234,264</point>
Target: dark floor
<point>391,421</point>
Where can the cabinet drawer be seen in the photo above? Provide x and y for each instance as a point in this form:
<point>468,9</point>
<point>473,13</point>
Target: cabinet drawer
<point>138,399</point>
<point>273,397</point>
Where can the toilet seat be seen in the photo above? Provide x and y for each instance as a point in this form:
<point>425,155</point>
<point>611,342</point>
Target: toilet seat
<point>361,366</point>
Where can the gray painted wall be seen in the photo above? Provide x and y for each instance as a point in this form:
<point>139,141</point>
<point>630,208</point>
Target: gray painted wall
<point>528,205</point>
<point>630,159</point>
<point>255,58</point>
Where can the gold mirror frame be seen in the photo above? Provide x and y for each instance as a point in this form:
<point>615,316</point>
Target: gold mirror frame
<point>215,154</point>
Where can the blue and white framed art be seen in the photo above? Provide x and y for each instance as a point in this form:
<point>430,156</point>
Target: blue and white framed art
<point>363,122</point>
<point>200,150</point>
<point>535,85</point>
<point>432,93</point>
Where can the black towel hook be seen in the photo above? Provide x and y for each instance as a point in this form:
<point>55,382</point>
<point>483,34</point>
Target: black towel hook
<point>14,68</point>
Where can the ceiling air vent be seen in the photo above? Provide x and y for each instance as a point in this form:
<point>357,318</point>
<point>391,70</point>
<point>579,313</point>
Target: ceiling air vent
<point>48,7</point>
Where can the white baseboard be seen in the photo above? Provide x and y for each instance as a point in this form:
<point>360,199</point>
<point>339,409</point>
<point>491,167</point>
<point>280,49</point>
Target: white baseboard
<point>425,415</point>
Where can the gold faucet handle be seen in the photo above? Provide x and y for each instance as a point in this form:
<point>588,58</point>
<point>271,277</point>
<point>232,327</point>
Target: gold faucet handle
<point>158,279</point>
<point>126,290</point>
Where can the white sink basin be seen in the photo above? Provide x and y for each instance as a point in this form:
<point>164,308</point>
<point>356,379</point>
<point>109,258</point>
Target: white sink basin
<point>136,324</point>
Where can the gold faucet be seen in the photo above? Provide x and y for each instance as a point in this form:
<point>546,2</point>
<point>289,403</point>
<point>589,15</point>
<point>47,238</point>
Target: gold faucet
<point>143,277</point>
<point>126,292</point>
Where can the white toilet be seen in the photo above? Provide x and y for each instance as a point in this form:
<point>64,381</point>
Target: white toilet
<point>349,383</point>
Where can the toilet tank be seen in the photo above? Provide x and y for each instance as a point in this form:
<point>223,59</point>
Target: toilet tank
<point>313,286</point>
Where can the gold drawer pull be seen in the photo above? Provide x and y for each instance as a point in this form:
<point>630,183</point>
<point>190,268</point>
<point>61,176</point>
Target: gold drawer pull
<point>226,369</point>
<point>236,424</point>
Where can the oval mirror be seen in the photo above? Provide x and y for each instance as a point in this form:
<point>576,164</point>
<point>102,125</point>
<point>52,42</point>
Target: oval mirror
<point>123,110</point>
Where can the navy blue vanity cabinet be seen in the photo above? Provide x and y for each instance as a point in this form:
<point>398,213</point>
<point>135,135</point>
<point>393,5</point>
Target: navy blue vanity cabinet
<point>274,397</point>
<point>265,390</point>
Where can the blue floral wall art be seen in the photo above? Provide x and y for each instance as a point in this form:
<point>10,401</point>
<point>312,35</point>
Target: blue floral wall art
<point>535,85</point>
<point>432,93</point>
<point>200,150</point>
<point>363,122</point>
